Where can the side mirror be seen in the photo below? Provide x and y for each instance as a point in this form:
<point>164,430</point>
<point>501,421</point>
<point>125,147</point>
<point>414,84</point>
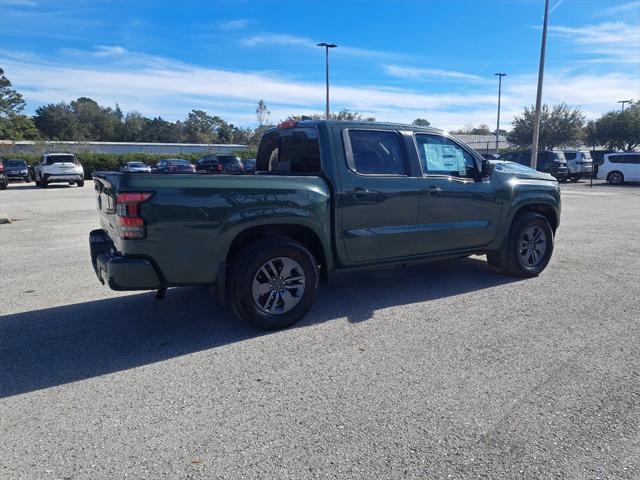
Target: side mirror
<point>487,168</point>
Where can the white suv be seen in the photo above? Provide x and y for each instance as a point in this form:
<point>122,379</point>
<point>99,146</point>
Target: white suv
<point>618,168</point>
<point>59,167</point>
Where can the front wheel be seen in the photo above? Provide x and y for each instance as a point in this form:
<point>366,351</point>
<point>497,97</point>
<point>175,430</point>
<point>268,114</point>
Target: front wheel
<point>615,178</point>
<point>273,283</point>
<point>80,183</point>
<point>530,245</point>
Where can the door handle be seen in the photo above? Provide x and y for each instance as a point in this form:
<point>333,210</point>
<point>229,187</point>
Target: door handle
<point>432,190</point>
<point>359,192</point>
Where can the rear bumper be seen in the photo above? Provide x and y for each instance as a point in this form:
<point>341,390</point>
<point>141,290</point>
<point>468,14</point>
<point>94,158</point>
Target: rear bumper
<point>118,271</point>
<point>66,177</point>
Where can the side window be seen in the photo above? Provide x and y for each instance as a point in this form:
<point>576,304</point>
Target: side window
<point>635,159</point>
<point>376,152</point>
<point>441,156</point>
<point>570,155</point>
<point>289,151</point>
<point>616,159</point>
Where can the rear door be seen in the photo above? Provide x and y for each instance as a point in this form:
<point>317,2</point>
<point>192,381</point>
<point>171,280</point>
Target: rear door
<point>632,167</point>
<point>457,210</point>
<point>378,198</point>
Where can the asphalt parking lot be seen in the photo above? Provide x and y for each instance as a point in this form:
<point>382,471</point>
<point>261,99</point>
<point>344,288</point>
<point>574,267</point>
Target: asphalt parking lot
<point>447,370</point>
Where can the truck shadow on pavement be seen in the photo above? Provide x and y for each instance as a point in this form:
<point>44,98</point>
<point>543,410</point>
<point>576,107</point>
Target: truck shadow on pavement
<point>54,346</point>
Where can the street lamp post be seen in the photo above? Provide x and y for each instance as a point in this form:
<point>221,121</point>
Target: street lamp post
<point>500,75</point>
<point>536,122</point>
<point>625,101</point>
<point>327,46</point>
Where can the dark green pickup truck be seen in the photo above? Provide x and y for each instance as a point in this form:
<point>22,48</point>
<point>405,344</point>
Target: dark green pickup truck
<point>327,196</point>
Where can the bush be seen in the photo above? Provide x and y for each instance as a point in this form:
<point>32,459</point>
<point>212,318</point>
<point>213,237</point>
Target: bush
<point>92,162</point>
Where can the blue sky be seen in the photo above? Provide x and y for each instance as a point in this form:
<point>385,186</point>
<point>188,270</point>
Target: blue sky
<point>396,60</point>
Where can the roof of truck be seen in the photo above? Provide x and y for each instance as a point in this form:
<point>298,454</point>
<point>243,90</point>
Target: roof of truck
<point>353,124</point>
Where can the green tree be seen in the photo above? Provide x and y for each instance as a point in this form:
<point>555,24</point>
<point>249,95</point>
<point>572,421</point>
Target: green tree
<point>619,130</point>
<point>560,126</point>
<point>57,122</point>
<point>95,122</point>
<point>421,122</point>
<point>18,127</point>
<point>262,113</point>
<point>200,127</point>
<point>11,102</point>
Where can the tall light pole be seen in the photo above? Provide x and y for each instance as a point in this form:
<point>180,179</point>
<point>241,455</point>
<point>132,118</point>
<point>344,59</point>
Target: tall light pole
<point>500,75</point>
<point>536,122</point>
<point>625,101</point>
<point>327,46</point>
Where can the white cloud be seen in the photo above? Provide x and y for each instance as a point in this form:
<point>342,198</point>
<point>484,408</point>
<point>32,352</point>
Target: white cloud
<point>617,41</point>
<point>168,88</point>
<point>292,40</point>
<point>109,50</point>
<point>623,8</point>
<point>237,24</point>
<point>18,3</point>
<point>276,39</point>
<point>426,73</point>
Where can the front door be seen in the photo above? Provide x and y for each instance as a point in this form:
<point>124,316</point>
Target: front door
<point>457,211</point>
<point>378,199</point>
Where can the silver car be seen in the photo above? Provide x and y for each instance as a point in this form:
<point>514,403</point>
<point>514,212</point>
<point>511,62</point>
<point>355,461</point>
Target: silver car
<point>135,167</point>
<point>579,164</point>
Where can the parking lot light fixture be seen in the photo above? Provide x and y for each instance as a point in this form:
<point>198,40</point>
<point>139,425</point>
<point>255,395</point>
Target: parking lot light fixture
<point>327,46</point>
<point>625,101</point>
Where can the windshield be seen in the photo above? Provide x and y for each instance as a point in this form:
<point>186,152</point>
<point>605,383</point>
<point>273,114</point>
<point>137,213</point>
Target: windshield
<point>15,163</point>
<point>586,156</point>
<point>60,159</point>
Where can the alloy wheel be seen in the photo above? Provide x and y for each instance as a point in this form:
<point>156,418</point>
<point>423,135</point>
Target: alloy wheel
<point>278,286</point>
<point>533,246</point>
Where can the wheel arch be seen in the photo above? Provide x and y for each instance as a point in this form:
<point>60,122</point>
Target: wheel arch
<point>300,233</point>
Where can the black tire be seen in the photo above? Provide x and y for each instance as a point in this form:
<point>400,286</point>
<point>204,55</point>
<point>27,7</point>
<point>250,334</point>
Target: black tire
<point>245,272</point>
<point>517,257</point>
<point>80,183</point>
<point>574,179</point>
<point>37,182</point>
<point>615,178</point>
<point>43,184</point>
<point>4,185</point>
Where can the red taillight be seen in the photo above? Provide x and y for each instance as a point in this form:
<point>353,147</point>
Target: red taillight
<point>128,214</point>
<point>1,167</point>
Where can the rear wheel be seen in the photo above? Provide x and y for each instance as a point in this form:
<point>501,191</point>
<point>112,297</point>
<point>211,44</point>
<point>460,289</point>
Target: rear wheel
<point>80,183</point>
<point>615,178</point>
<point>530,245</point>
<point>4,184</point>
<point>43,183</point>
<point>273,283</point>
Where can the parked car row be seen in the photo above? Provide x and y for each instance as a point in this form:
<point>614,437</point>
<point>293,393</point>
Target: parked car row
<point>209,164</point>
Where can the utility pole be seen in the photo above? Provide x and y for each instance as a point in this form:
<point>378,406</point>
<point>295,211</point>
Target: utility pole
<point>536,122</point>
<point>625,101</point>
<point>500,75</point>
<point>327,46</point>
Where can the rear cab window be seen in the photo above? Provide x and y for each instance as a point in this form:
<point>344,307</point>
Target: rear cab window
<point>375,152</point>
<point>51,159</point>
<point>294,150</point>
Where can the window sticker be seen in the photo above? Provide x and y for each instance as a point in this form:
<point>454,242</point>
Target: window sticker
<point>444,158</point>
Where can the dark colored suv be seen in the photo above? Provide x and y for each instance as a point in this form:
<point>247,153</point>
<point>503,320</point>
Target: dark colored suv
<point>16,170</point>
<point>220,164</point>
<point>548,162</point>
